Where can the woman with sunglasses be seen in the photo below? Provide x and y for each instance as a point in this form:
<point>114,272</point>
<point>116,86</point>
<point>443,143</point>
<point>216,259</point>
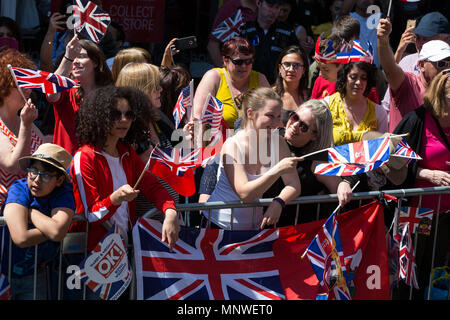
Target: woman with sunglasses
<point>308,129</point>
<point>228,83</point>
<point>250,162</point>
<point>353,113</point>
<point>106,168</point>
<point>292,79</point>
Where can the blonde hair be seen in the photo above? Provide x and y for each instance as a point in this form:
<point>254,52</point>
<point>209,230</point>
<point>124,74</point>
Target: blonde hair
<point>255,99</point>
<point>125,56</point>
<point>143,76</point>
<point>434,97</point>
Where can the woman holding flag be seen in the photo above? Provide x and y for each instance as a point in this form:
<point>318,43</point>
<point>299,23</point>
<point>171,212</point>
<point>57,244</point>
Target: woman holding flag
<point>83,61</point>
<point>106,169</point>
<point>19,137</point>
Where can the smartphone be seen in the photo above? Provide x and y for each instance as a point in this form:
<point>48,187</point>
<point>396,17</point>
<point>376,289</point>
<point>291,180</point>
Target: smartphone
<point>186,43</point>
<point>411,23</point>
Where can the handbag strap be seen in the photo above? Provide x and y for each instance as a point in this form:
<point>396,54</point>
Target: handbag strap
<point>230,88</point>
<point>442,133</point>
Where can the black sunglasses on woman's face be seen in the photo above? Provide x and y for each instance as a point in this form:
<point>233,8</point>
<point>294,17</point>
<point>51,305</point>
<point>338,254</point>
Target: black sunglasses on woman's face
<point>239,62</point>
<point>302,125</point>
<point>117,115</point>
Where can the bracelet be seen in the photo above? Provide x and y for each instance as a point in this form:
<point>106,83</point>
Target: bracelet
<point>71,60</point>
<point>280,201</point>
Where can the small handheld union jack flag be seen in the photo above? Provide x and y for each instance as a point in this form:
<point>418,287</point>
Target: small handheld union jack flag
<point>327,260</point>
<point>42,81</point>
<point>354,158</point>
<point>90,21</point>
<point>5,288</point>
<point>407,261</point>
<point>420,219</point>
<point>229,28</point>
<point>184,102</point>
<point>405,151</point>
<point>212,114</point>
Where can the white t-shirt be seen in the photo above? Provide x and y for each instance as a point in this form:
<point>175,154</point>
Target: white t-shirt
<point>121,216</point>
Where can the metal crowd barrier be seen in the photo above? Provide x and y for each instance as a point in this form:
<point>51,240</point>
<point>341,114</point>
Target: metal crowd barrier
<point>186,208</point>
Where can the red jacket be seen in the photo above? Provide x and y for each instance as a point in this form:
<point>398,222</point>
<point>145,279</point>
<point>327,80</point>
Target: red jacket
<point>93,186</point>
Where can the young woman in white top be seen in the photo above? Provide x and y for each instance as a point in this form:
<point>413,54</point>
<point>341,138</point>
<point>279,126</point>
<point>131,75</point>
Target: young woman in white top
<point>251,161</point>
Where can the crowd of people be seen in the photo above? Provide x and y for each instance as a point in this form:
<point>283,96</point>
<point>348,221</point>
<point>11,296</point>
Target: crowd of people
<point>281,93</point>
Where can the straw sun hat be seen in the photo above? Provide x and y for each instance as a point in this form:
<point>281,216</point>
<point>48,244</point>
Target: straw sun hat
<point>396,169</point>
<point>52,154</point>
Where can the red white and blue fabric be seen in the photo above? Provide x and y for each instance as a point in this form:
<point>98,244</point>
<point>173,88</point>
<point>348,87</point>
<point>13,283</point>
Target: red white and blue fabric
<point>355,158</point>
<point>229,28</point>
<point>212,114</point>
<point>407,261</point>
<point>185,100</point>
<point>419,219</point>
<point>410,0</point>
<point>106,270</point>
<point>43,81</point>
<point>90,21</point>
<point>356,54</point>
<point>405,151</point>
<point>206,264</point>
<point>5,288</point>
<point>327,259</point>
<point>329,56</point>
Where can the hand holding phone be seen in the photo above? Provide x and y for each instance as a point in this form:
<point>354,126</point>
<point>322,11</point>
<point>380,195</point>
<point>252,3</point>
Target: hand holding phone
<point>186,43</point>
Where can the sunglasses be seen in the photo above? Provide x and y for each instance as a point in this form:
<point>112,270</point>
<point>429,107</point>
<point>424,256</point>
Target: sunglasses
<point>441,64</point>
<point>45,176</point>
<point>295,65</point>
<point>117,115</point>
<point>239,62</point>
<point>302,125</point>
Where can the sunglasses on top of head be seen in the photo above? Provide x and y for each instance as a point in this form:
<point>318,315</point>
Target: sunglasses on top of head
<point>117,115</point>
<point>302,125</point>
<point>239,62</point>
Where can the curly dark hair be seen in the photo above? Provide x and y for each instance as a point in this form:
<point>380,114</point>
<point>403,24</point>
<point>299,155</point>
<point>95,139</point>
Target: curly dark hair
<point>341,81</point>
<point>15,59</point>
<point>94,119</point>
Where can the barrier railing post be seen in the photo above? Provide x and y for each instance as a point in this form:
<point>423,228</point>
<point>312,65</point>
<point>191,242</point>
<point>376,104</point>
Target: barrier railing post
<point>434,245</point>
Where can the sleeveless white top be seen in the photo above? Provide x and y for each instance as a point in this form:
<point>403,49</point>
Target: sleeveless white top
<point>243,218</point>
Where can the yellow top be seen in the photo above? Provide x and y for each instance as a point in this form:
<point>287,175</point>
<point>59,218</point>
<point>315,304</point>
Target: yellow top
<point>230,113</point>
<point>343,132</point>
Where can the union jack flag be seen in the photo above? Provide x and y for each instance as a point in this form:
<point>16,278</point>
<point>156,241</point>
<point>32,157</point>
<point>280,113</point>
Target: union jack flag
<point>229,28</point>
<point>212,114</point>
<point>405,151</point>
<point>357,54</point>
<point>419,218</point>
<point>407,261</point>
<point>42,81</point>
<point>106,270</point>
<point>327,259</point>
<point>5,289</point>
<point>185,100</point>
<point>206,264</point>
<point>90,20</point>
<point>355,158</point>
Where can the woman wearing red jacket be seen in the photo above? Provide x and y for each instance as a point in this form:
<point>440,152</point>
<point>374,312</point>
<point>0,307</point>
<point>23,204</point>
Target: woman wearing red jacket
<point>106,168</point>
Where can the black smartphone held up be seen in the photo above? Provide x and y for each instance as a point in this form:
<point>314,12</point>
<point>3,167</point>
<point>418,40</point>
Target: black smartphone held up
<point>186,43</point>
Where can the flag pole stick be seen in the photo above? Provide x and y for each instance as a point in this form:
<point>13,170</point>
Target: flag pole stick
<point>315,152</point>
<point>335,210</point>
<point>15,80</point>
<point>145,168</point>
<point>389,9</point>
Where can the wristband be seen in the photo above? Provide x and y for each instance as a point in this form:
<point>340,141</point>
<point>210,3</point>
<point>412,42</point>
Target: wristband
<point>280,201</point>
<point>71,60</point>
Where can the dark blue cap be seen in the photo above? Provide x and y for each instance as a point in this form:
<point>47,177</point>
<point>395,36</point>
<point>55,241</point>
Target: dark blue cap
<point>432,24</point>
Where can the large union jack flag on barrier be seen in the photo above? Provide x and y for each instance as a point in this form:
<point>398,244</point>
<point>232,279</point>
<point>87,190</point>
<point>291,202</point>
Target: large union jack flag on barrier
<point>355,158</point>
<point>206,264</point>
<point>43,81</point>
<point>90,20</point>
<point>229,28</point>
<point>419,219</point>
<point>185,101</point>
<point>327,259</point>
<point>407,261</point>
